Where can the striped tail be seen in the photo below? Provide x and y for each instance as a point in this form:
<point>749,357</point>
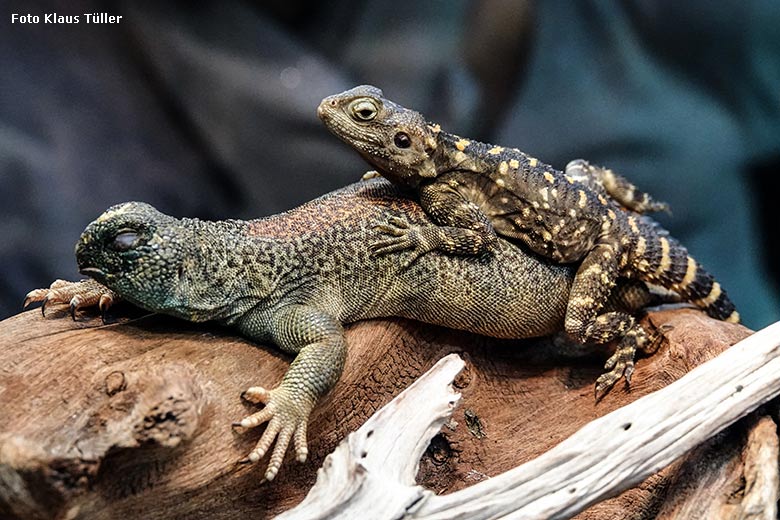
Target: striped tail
<point>664,261</point>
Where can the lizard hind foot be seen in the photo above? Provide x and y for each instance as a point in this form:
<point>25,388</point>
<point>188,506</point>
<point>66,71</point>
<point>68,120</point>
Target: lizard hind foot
<point>621,363</point>
<point>287,415</point>
<point>77,295</point>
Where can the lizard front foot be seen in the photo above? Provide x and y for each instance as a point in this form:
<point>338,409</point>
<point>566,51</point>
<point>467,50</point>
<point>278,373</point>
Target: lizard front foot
<point>402,236</point>
<point>287,414</point>
<point>77,295</point>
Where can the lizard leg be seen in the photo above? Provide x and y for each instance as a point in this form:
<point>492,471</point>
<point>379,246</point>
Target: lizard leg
<point>418,240</point>
<point>318,342</point>
<point>77,295</point>
<point>462,228</point>
<point>631,295</point>
<point>616,186</point>
<point>586,320</point>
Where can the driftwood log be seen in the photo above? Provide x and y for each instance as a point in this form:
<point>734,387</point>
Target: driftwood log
<point>132,419</point>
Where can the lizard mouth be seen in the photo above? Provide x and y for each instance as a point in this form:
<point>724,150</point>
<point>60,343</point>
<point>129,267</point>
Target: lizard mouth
<point>93,272</point>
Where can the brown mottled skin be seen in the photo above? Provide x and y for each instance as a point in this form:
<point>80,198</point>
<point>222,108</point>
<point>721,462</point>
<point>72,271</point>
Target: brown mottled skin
<point>476,191</point>
<point>293,279</point>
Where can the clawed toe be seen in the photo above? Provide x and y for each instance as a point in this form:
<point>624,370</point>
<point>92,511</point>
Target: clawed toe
<point>256,394</point>
<point>394,245</point>
<point>399,222</point>
<point>33,296</point>
<point>287,419</point>
<point>76,295</point>
<point>620,364</point>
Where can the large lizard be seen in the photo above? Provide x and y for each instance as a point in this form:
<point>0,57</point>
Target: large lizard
<point>293,279</point>
<point>476,191</point>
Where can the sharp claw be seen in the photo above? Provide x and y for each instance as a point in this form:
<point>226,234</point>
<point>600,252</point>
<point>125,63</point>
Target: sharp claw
<point>629,371</point>
<point>105,302</point>
<point>256,394</point>
<point>73,311</point>
<point>27,302</point>
<point>103,305</point>
<point>600,393</point>
<point>399,222</point>
<point>255,455</point>
<point>43,306</point>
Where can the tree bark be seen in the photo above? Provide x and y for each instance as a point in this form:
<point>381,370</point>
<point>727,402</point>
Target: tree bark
<point>132,419</point>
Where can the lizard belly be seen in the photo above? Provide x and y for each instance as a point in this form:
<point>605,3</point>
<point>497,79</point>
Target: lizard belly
<point>510,295</point>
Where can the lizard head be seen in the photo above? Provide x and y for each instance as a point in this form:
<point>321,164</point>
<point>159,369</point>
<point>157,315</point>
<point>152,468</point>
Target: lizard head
<point>141,254</point>
<point>395,140</point>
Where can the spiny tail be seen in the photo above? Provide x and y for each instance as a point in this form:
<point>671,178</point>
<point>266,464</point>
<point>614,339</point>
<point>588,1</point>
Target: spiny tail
<point>664,261</point>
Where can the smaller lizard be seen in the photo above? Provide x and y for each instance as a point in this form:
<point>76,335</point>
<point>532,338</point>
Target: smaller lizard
<point>475,191</point>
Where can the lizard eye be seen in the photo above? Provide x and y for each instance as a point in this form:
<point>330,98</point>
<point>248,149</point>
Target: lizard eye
<point>402,140</point>
<point>125,240</point>
<point>364,109</point>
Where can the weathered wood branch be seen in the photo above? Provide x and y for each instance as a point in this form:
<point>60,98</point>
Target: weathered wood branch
<point>372,473</point>
<point>132,419</point>
<point>608,455</point>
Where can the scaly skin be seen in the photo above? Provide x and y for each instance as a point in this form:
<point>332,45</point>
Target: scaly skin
<point>476,191</point>
<point>293,279</point>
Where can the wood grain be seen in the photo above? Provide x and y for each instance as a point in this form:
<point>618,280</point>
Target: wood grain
<point>133,418</point>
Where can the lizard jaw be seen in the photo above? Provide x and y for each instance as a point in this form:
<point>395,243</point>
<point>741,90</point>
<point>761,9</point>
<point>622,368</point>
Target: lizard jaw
<point>94,273</point>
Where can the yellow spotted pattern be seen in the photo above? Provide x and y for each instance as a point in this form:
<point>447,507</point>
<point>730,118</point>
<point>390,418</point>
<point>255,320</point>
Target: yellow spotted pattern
<point>462,144</point>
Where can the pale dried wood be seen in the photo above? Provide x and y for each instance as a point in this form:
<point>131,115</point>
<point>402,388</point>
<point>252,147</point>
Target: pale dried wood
<point>372,472</point>
<point>762,479</point>
<point>732,476</point>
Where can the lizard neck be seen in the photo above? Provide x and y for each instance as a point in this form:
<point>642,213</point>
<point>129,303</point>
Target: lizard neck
<point>230,271</point>
<point>457,153</point>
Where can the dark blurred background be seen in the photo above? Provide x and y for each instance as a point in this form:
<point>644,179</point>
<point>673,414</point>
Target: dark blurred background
<point>209,110</point>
